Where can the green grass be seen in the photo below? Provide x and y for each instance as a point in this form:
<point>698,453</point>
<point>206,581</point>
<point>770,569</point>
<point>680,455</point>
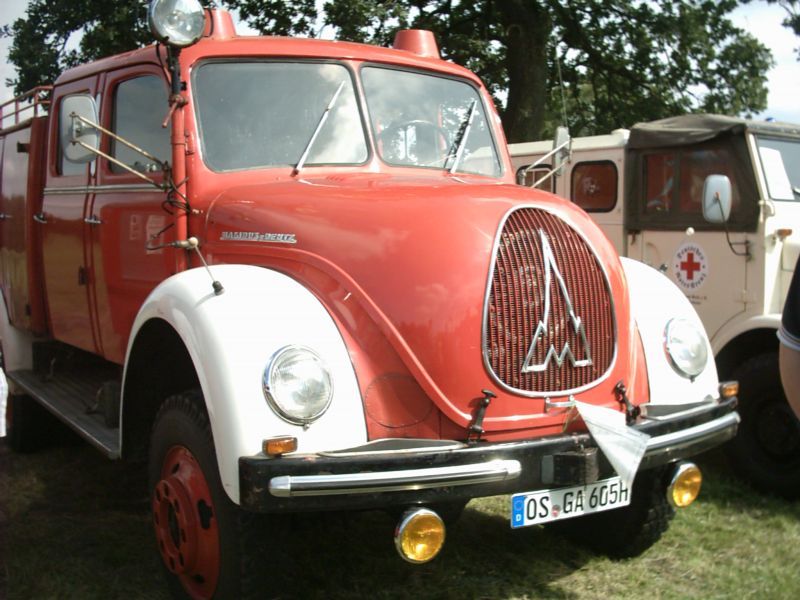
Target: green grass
<point>73,525</point>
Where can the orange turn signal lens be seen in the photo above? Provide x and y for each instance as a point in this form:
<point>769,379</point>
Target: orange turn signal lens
<point>728,389</point>
<point>279,445</point>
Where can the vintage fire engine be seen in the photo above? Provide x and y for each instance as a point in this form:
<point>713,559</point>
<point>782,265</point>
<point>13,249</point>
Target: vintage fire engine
<point>297,275</point>
<point>644,187</point>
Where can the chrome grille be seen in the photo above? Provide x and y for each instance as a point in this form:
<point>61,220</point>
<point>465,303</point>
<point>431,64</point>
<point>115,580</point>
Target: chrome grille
<point>517,308</point>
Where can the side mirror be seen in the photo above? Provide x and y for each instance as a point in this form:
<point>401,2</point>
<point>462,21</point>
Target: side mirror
<point>562,146</point>
<point>717,199</point>
<point>79,139</point>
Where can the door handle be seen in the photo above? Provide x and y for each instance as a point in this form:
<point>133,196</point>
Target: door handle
<point>4,216</point>
<point>40,218</point>
<point>93,220</point>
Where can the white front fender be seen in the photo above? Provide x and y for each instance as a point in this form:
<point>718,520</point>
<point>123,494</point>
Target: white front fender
<point>654,301</point>
<point>231,338</point>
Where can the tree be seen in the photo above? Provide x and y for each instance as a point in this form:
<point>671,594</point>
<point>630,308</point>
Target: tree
<point>39,46</point>
<point>621,61</point>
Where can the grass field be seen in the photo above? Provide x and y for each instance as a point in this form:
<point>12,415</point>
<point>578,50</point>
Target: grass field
<point>75,526</point>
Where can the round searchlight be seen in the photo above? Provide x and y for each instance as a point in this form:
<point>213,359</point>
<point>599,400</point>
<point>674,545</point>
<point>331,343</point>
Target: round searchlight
<point>177,23</point>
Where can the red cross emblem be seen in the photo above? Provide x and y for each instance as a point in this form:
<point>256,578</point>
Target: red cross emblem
<point>690,266</point>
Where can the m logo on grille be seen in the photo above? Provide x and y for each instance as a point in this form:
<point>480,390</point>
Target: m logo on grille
<point>550,270</point>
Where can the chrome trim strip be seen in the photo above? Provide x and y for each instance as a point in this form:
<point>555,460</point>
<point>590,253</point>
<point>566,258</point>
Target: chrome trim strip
<point>686,437</point>
<point>484,321</point>
<point>291,486</point>
<point>101,189</point>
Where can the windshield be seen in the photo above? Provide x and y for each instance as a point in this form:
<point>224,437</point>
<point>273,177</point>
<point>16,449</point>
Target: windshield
<point>780,161</point>
<point>423,120</point>
<point>270,114</point>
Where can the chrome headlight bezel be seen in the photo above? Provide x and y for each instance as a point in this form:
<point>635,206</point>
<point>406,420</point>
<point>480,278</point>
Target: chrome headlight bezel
<point>686,347</point>
<point>178,23</point>
<point>292,410</point>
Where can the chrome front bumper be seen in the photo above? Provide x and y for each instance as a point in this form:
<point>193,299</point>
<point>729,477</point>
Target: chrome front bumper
<point>370,478</point>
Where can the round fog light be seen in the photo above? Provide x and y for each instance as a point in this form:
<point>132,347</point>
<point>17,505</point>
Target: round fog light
<point>685,485</point>
<point>419,535</point>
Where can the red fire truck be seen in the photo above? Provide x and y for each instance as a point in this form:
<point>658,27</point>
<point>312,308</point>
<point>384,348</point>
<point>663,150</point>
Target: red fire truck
<point>297,275</point>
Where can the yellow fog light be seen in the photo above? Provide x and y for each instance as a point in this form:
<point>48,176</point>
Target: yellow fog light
<point>419,535</point>
<point>685,485</point>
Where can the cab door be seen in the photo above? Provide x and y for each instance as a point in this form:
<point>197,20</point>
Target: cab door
<point>128,221</point>
<point>61,223</point>
<point>667,230</point>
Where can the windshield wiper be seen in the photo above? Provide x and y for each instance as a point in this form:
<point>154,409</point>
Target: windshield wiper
<point>461,140</point>
<point>322,119</point>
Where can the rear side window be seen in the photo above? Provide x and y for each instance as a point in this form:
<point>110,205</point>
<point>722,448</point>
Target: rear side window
<point>594,186</point>
<point>140,105</point>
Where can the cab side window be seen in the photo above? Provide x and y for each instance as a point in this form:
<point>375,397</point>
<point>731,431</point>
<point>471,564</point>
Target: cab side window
<point>140,105</point>
<point>669,190</point>
<point>594,186</point>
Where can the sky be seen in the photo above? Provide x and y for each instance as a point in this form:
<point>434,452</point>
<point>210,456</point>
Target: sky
<point>759,18</point>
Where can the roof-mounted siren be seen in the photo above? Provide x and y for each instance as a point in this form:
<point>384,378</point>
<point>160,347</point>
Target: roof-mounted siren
<point>219,25</point>
<point>418,41</point>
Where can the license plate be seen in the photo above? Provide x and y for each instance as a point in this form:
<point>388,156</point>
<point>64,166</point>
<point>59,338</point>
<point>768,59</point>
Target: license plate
<point>544,506</point>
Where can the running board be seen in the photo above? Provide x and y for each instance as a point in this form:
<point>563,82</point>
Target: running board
<point>72,397</point>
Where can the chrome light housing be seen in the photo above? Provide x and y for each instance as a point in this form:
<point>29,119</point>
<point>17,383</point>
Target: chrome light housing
<point>298,385</point>
<point>178,23</point>
<point>686,347</point>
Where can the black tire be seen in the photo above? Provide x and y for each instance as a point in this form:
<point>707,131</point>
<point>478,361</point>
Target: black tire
<point>28,425</point>
<point>629,531</point>
<point>201,535</point>
<point>766,449</point>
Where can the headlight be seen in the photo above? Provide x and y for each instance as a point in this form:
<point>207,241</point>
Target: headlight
<point>686,347</point>
<point>177,23</point>
<point>298,385</point>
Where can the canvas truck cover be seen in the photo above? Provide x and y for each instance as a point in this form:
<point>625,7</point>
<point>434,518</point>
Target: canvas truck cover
<point>698,132</point>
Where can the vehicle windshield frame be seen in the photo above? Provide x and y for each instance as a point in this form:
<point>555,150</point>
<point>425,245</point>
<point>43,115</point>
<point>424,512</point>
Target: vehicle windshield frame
<point>481,109</point>
<point>793,175</point>
<point>354,91</point>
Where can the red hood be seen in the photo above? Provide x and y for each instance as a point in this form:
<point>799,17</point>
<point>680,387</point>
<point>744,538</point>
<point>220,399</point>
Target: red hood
<point>415,253</point>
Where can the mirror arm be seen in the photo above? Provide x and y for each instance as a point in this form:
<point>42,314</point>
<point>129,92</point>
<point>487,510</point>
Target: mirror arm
<point>120,163</point>
<point>551,172</point>
<point>113,135</point>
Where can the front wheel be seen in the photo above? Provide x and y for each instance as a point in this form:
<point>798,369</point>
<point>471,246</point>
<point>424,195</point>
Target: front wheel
<point>766,449</point>
<point>201,535</point>
<point>628,531</point>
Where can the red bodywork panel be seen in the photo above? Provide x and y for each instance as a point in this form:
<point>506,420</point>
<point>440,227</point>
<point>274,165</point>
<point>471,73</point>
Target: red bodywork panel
<point>399,256</point>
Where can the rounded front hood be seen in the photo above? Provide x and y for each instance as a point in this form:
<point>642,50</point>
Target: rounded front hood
<point>416,254</point>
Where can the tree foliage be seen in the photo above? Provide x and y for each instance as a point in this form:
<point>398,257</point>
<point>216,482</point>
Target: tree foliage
<point>39,48</point>
<point>621,61</point>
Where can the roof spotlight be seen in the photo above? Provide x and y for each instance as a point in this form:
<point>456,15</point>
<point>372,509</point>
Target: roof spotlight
<point>177,23</point>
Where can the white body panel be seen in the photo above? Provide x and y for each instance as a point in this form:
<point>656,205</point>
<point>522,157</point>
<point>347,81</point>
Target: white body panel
<point>231,338</point>
<point>654,301</point>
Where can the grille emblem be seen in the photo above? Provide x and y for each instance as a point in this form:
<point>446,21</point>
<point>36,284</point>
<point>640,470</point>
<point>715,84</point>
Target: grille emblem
<point>550,269</point>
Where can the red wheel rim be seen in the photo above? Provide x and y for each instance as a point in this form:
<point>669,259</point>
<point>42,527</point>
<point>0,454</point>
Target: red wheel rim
<point>185,523</point>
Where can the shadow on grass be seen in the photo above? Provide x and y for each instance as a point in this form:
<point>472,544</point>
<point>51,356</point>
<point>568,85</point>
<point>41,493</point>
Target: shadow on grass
<point>724,488</point>
<point>77,526</point>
